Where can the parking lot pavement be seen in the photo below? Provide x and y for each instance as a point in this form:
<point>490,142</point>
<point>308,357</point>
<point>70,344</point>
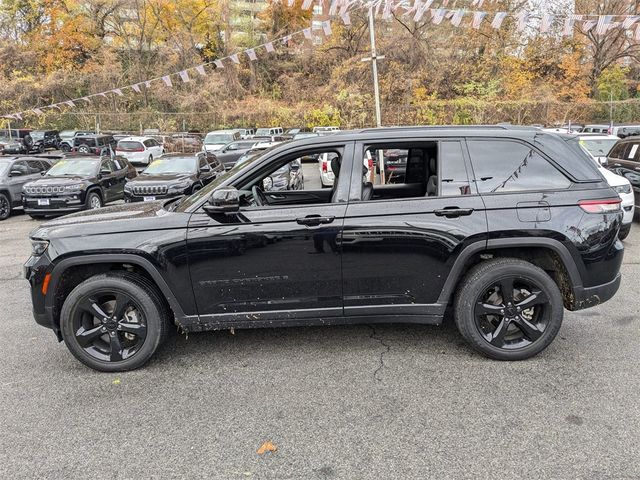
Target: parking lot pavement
<point>337,402</point>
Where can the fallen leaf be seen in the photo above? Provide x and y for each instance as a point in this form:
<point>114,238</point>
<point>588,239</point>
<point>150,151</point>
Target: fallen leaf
<point>267,447</point>
<point>116,381</point>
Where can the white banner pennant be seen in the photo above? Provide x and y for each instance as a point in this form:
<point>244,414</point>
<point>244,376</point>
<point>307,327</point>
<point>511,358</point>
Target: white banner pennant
<point>326,27</point>
<point>306,5</point>
<point>567,31</point>
<point>118,92</point>
<point>136,88</point>
<point>251,53</point>
<point>200,70</point>
<point>307,33</point>
<point>234,58</point>
<point>421,9</point>
<point>545,23</point>
<point>167,81</point>
<point>478,17</point>
<point>438,16</point>
<point>37,111</point>
<point>630,21</point>
<point>637,35</point>
<point>147,84</point>
<point>269,47</point>
<point>588,25</point>
<point>523,20</point>
<point>346,18</point>
<point>456,19</point>
<point>218,63</point>
<point>498,19</point>
<point>70,103</point>
<point>184,75</point>
<point>603,24</point>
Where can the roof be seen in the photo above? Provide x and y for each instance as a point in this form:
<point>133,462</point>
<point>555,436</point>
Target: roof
<point>136,138</point>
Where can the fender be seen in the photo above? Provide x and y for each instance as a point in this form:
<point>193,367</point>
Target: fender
<point>142,262</point>
<point>493,244</point>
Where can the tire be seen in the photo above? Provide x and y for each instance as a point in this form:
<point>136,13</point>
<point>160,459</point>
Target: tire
<point>518,335</point>
<point>5,206</point>
<point>139,295</point>
<point>83,149</point>
<point>65,147</point>
<point>624,231</point>
<point>41,148</point>
<point>93,201</point>
<point>150,160</point>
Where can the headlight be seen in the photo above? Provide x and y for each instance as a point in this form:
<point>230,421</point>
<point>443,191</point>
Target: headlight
<point>128,187</point>
<point>179,187</point>
<point>74,187</point>
<point>623,188</point>
<point>38,247</point>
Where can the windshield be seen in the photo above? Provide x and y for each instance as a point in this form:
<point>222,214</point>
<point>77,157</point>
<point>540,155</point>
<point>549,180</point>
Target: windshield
<point>221,179</point>
<point>263,132</point>
<point>37,135</point>
<point>164,166</point>
<point>216,138</point>
<point>598,148</point>
<point>74,167</point>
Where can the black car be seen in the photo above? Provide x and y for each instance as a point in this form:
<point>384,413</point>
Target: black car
<point>624,159</point>
<point>231,152</point>
<point>14,173</point>
<point>505,227</point>
<point>45,139</point>
<point>94,144</point>
<point>16,141</point>
<point>67,137</point>
<point>172,175</point>
<point>77,183</point>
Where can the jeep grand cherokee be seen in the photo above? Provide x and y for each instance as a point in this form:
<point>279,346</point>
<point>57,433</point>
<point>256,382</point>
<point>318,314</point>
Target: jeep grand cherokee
<point>505,226</point>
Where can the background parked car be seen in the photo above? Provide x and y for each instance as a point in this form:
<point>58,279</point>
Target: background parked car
<point>624,131</point>
<point>268,131</point>
<point>139,150</point>
<point>16,141</point>
<point>14,173</point>
<point>596,128</point>
<point>45,139</point>
<point>173,175</point>
<point>325,130</point>
<point>76,183</point>
<point>246,133</point>
<point>231,152</point>
<point>67,137</point>
<point>624,160</point>
<point>598,146</point>
<point>183,143</point>
<point>219,138</point>
<point>94,144</point>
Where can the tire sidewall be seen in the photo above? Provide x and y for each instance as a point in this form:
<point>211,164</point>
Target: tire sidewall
<point>150,311</point>
<point>8,200</point>
<point>91,194</point>
<point>465,306</point>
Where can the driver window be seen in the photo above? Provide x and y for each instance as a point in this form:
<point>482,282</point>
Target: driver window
<point>289,180</point>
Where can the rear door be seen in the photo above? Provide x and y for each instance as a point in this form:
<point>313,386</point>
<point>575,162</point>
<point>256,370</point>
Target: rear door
<point>399,246</point>
<point>624,160</point>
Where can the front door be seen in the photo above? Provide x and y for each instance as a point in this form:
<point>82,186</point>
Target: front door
<point>400,239</point>
<point>278,259</point>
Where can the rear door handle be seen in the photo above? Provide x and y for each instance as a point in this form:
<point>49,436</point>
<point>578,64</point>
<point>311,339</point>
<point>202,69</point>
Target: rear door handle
<point>452,212</point>
<point>314,220</point>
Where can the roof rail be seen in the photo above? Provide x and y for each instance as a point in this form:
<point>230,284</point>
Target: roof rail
<point>446,127</point>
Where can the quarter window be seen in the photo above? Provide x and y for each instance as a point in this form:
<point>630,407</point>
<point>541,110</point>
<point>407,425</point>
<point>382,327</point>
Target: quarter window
<point>509,166</point>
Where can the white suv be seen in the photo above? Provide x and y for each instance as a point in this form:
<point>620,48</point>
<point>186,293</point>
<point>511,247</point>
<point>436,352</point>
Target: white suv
<point>139,150</point>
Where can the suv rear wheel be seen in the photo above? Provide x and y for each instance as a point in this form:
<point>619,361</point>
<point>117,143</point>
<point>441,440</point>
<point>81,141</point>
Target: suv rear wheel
<point>508,309</point>
<point>5,206</point>
<point>114,322</point>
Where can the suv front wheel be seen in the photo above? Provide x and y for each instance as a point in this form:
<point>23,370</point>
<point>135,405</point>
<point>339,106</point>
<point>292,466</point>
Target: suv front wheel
<point>508,309</point>
<point>114,322</point>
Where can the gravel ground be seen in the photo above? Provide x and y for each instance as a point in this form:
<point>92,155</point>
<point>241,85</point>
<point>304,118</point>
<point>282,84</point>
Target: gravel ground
<point>337,402</point>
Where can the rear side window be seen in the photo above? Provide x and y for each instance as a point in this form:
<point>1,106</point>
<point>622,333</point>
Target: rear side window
<point>509,166</point>
<point>453,173</point>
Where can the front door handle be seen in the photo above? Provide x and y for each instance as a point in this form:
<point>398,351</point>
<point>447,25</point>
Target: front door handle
<point>314,220</point>
<point>453,212</point>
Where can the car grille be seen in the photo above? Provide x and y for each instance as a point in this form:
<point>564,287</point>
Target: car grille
<point>150,190</point>
<point>43,189</point>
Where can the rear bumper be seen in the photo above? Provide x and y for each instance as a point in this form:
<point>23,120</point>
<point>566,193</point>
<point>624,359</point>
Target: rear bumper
<point>586,297</point>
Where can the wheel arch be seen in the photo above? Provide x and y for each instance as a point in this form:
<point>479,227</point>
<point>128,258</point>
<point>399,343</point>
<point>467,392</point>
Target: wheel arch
<point>77,269</point>
<point>547,253</point>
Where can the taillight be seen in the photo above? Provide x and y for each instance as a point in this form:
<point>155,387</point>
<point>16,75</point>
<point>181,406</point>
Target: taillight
<point>600,206</point>
<point>324,166</point>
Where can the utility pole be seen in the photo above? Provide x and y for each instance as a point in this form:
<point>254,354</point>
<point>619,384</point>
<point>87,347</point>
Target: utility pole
<point>376,89</point>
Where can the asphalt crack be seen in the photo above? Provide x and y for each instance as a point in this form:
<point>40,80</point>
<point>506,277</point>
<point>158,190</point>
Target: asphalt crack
<point>387,348</point>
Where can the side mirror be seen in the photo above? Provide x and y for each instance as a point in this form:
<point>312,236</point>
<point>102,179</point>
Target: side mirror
<point>15,173</point>
<point>223,201</point>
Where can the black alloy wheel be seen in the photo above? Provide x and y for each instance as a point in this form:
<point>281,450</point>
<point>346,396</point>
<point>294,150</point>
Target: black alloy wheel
<point>511,313</point>
<point>508,309</point>
<point>5,207</point>
<point>115,321</point>
<point>109,326</point>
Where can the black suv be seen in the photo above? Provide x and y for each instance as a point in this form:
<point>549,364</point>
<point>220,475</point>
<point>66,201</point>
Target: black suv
<point>504,226</point>
<point>171,175</point>
<point>624,160</point>
<point>45,139</point>
<point>94,144</point>
<point>77,183</point>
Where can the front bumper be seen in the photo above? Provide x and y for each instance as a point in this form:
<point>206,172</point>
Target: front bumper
<point>35,270</point>
<point>132,198</point>
<point>57,205</point>
<point>627,207</point>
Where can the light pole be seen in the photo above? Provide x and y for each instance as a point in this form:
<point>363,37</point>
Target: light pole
<point>376,89</point>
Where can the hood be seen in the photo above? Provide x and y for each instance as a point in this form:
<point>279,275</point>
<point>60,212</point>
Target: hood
<point>143,179</point>
<point>124,218</point>
<point>213,147</point>
<point>52,180</point>
<point>613,179</point>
